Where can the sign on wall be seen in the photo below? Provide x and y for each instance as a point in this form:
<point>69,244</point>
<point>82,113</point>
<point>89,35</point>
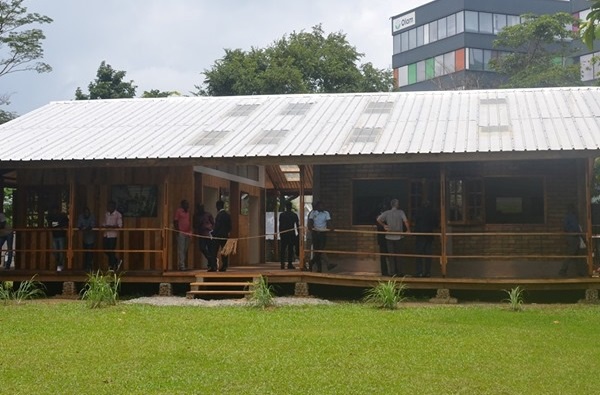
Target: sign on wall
<point>403,21</point>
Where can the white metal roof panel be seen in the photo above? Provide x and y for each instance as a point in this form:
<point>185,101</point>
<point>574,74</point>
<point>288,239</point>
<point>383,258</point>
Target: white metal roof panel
<point>550,119</point>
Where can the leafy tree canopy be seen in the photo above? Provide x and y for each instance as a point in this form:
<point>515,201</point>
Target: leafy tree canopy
<point>108,84</point>
<point>590,28</point>
<point>6,116</point>
<point>157,93</point>
<point>541,49</point>
<point>304,62</point>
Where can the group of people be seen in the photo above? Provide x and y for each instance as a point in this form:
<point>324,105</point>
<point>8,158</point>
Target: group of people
<point>212,234</point>
<point>58,222</point>
<point>391,224</point>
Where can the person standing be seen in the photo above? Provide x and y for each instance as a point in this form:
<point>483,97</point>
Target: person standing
<point>319,223</point>
<point>221,234</point>
<point>571,225</point>
<point>204,223</point>
<point>288,223</point>
<point>112,219</point>
<point>86,224</point>
<point>6,236</point>
<point>382,243</point>
<point>425,222</point>
<point>58,222</point>
<point>183,226</point>
<point>392,221</point>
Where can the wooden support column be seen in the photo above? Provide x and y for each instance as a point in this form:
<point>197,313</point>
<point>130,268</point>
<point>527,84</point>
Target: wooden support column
<point>443,222</point>
<point>301,231</point>
<point>72,218</point>
<point>589,171</point>
<point>166,235</point>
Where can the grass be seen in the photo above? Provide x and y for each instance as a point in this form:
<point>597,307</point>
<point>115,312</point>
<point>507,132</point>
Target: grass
<point>346,348</point>
<point>515,298</point>
<point>101,289</point>
<point>386,295</point>
<point>262,293</point>
<point>29,289</point>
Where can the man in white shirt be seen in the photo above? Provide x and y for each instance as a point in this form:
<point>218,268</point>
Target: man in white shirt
<point>319,223</point>
<point>392,221</point>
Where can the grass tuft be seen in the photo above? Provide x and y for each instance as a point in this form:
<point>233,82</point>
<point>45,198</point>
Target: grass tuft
<point>262,293</point>
<point>386,295</point>
<point>28,289</point>
<point>515,298</point>
<point>101,289</point>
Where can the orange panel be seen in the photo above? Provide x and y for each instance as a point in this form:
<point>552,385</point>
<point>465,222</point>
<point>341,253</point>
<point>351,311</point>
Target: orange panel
<point>459,60</point>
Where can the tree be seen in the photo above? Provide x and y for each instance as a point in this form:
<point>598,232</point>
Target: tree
<point>304,62</point>
<point>109,84</point>
<point>157,93</point>
<point>541,52</point>
<point>20,45</point>
<point>590,28</point>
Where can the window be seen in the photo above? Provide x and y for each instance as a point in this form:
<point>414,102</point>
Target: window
<point>460,22</point>
<point>487,56</point>
<point>485,23</point>
<point>514,200</point>
<point>587,67</point>
<point>475,59</point>
<point>471,22</point>
<point>369,196</point>
<point>420,71</point>
<point>426,34</point>
<point>512,20</point>
<point>459,59</point>
<point>412,39</point>
<point>433,35</point>
<point>449,66</point>
<point>465,201</point>
<point>412,73</point>
<point>397,44</point>
<point>420,36</point>
<point>499,23</point>
<point>403,76</point>
<point>429,68</point>
<point>442,33</point>
<point>451,25</point>
<point>439,65</point>
<point>404,41</point>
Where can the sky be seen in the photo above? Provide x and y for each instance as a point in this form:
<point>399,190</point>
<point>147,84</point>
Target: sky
<point>166,44</point>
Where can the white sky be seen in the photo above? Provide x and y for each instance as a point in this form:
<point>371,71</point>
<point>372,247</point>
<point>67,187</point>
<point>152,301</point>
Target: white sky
<point>166,44</point>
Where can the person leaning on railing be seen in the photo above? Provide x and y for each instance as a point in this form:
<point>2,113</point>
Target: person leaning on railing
<point>6,236</point>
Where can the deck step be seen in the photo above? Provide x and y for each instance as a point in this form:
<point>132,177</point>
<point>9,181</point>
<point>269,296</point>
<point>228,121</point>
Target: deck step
<point>220,284</point>
<point>213,292</point>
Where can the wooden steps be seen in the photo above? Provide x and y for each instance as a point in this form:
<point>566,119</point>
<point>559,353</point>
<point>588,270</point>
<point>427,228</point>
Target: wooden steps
<point>227,285</point>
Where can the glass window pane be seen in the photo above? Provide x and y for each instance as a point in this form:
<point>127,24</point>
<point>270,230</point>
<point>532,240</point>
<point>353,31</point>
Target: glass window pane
<point>471,21</point>
<point>403,76</point>
<point>439,65</point>
<point>412,73</point>
<point>412,38</point>
<point>512,20</point>
<point>429,68</point>
<point>404,40</point>
<point>449,62</point>
<point>426,34</point>
<point>485,23</point>
<point>442,28</point>
<point>433,36</point>
<point>397,44</point>
<point>460,22</point>
<point>487,55</point>
<point>499,23</point>
<point>451,25</point>
<point>475,59</point>
<point>420,37</point>
<point>421,71</point>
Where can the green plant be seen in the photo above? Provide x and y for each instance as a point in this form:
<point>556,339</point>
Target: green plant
<point>515,298</point>
<point>261,293</point>
<point>386,295</point>
<point>101,289</point>
<point>28,289</point>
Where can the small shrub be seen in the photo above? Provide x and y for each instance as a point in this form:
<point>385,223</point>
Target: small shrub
<point>101,289</point>
<point>262,293</point>
<point>386,295</point>
<point>515,298</point>
<point>28,289</point>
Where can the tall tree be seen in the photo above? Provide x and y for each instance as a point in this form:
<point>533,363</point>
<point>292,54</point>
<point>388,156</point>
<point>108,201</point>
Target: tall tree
<point>20,44</point>
<point>304,62</point>
<point>108,84</point>
<point>541,50</point>
<point>157,93</point>
<point>590,28</point>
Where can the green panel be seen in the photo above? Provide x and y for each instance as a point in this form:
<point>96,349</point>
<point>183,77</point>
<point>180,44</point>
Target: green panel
<point>412,73</point>
<point>429,68</point>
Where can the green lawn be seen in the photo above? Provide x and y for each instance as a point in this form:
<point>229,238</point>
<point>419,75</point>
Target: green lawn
<point>65,348</point>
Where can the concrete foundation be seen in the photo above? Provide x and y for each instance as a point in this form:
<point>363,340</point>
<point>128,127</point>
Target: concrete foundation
<point>301,289</point>
<point>442,296</point>
<point>69,289</point>
<point>165,289</point>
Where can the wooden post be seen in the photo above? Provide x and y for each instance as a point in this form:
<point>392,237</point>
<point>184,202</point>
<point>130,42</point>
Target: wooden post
<point>443,222</point>
<point>301,233</point>
<point>165,224</point>
<point>589,171</point>
<point>72,218</point>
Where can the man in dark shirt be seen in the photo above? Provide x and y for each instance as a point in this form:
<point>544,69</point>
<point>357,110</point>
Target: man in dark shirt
<point>425,222</point>
<point>288,223</point>
<point>221,234</point>
<point>58,222</point>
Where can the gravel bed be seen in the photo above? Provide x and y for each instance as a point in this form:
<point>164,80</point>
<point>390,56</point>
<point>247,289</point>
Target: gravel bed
<point>181,301</point>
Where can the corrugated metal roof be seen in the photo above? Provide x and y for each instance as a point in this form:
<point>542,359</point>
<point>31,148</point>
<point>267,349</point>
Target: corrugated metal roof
<point>552,119</point>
